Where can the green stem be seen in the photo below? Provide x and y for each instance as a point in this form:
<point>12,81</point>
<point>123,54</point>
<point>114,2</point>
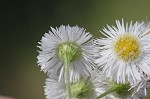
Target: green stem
<point>67,75</point>
<point>112,89</point>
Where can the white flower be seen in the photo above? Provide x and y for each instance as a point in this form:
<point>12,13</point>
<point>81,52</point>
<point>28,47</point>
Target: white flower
<point>125,91</point>
<point>125,53</point>
<point>81,89</point>
<point>79,42</point>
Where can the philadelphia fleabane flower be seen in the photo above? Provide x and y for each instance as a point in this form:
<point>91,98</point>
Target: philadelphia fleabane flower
<point>80,89</point>
<point>54,44</point>
<point>109,89</point>
<point>125,53</point>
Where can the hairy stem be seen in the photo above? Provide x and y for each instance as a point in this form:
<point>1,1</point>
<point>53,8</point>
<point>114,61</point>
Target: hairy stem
<point>67,75</point>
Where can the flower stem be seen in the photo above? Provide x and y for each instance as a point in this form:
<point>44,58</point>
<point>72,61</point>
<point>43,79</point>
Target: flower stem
<point>112,89</point>
<point>67,75</point>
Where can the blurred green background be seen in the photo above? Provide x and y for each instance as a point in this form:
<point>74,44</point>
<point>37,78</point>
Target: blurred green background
<point>23,23</point>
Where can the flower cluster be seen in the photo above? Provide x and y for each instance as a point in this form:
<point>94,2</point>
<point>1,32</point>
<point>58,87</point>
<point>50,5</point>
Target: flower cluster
<point>79,66</point>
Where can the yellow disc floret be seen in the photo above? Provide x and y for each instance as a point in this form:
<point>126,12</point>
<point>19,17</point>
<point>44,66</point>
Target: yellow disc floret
<point>127,47</point>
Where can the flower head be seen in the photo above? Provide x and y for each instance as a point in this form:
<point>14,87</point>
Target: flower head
<point>74,42</point>
<point>124,54</point>
<point>117,91</point>
<point>81,89</point>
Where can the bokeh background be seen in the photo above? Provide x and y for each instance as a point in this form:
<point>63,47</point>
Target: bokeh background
<point>23,23</point>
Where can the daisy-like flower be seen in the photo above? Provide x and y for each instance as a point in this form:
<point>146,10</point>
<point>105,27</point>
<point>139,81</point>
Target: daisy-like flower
<point>109,89</point>
<point>81,89</point>
<point>125,53</point>
<point>76,41</point>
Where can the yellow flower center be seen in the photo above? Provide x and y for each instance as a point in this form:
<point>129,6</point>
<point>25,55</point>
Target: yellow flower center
<point>127,47</point>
